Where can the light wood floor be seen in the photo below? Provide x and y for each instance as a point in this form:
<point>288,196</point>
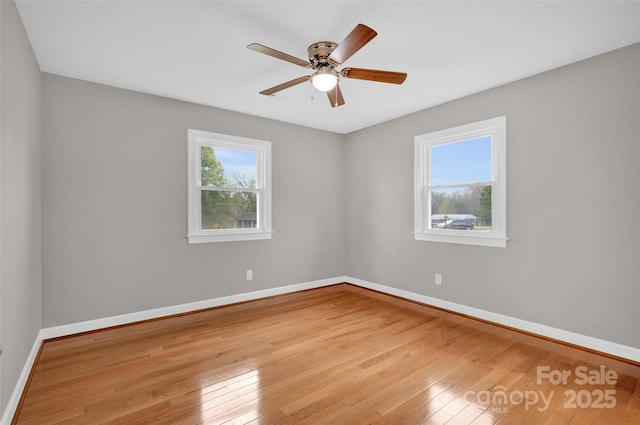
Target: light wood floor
<point>335,355</point>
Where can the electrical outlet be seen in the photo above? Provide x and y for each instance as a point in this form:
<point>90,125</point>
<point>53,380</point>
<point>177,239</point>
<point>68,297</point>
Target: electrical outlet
<point>249,274</point>
<point>438,280</point>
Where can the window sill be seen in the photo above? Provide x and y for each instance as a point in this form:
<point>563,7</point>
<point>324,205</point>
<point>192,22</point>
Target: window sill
<point>228,237</point>
<point>477,239</point>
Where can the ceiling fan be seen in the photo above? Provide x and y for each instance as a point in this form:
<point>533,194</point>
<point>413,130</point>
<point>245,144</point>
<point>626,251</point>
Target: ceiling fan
<point>324,57</point>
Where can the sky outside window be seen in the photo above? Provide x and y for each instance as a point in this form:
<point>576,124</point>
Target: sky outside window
<point>461,162</point>
<point>237,161</point>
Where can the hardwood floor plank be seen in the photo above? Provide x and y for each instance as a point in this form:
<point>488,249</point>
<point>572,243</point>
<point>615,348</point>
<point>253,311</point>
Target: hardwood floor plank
<point>334,355</point>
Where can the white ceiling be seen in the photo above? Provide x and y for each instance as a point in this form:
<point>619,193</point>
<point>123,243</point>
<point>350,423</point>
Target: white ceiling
<point>196,50</point>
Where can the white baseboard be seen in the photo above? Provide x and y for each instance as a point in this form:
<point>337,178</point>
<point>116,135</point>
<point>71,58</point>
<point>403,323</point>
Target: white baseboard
<point>123,319</point>
<point>92,325</point>
<point>12,404</point>
<point>601,345</point>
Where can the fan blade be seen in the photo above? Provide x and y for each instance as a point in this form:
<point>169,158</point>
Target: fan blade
<point>286,85</point>
<point>256,47</point>
<point>356,39</point>
<point>374,75</point>
<point>335,96</point>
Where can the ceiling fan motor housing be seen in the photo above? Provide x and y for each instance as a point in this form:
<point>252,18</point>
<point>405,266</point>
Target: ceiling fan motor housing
<point>319,53</point>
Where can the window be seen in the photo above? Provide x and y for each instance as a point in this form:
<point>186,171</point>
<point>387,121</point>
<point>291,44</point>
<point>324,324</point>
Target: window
<point>460,184</point>
<point>229,188</point>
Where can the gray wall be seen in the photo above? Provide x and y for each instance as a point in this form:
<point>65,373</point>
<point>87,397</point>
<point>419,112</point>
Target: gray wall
<point>20,190</point>
<point>115,205</point>
<point>573,200</point>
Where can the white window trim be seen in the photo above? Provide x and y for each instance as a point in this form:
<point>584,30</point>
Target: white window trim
<point>196,139</point>
<point>497,237</point>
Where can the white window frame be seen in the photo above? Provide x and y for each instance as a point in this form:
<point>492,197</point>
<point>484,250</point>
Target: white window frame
<point>196,140</point>
<point>497,236</point>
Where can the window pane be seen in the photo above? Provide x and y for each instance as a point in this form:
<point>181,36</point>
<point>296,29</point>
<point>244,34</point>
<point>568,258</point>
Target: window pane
<point>233,167</point>
<point>228,210</point>
<point>467,208</point>
<point>461,162</point>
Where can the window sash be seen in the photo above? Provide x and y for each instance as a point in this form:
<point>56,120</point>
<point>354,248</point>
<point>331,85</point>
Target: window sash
<point>229,189</point>
<point>198,234</point>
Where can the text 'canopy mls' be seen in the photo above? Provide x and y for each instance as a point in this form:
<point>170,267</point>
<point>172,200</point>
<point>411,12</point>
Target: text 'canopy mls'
<point>461,162</point>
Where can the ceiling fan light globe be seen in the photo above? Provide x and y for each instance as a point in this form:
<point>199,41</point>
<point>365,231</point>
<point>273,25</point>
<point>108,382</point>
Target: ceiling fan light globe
<point>324,81</point>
